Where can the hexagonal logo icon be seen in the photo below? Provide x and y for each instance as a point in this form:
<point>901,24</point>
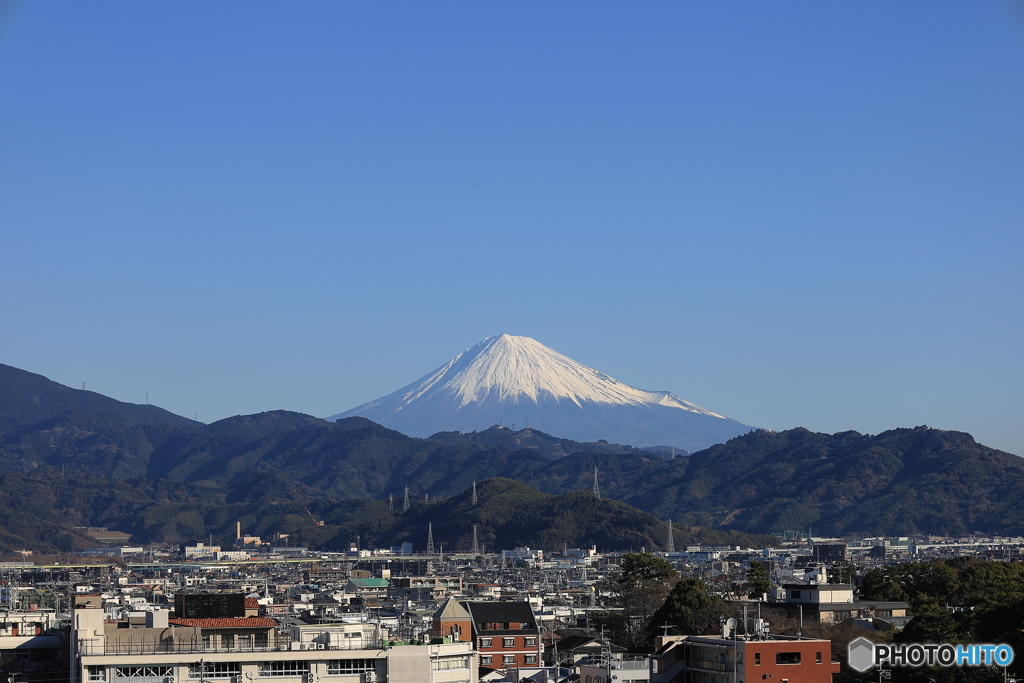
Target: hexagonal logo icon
<point>861,654</point>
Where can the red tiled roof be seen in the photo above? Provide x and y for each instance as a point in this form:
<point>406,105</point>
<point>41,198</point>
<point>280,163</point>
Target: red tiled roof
<point>228,622</point>
<point>250,603</point>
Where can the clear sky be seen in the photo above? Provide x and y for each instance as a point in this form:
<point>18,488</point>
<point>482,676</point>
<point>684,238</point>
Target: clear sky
<point>792,213</point>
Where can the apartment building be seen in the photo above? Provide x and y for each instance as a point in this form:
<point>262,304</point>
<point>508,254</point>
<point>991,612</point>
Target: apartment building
<point>250,649</point>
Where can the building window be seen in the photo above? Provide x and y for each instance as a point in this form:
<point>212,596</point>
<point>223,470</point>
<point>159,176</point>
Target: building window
<point>274,669</point>
<point>485,642</point>
<point>342,667</point>
<point>508,659</point>
<point>485,659</point>
<point>796,595</point>
<point>817,658</point>
<point>787,657</point>
<point>757,659</point>
<point>137,672</point>
<point>508,642</point>
<point>531,642</point>
<point>450,664</point>
<point>227,640</point>
<point>531,659</point>
<point>214,670</point>
<point>97,673</point>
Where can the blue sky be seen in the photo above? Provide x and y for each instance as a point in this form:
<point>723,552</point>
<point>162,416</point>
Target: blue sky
<point>794,214</point>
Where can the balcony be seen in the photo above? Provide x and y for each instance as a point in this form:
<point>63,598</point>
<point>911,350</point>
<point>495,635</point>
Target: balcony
<point>93,647</point>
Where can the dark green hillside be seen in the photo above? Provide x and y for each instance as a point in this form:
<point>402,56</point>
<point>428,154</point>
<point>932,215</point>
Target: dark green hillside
<point>38,511</point>
<point>902,481</point>
<point>510,514</point>
<point>27,398</point>
<point>252,427</point>
<point>531,439</point>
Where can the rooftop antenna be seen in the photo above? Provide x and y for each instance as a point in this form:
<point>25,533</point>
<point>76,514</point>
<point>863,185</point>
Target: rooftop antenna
<point>405,505</point>
<point>473,500</point>
<point>430,538</point>
<point>597,489</point>
<point>664,634</point>
<point>476,545</point>
<point>670,548</point>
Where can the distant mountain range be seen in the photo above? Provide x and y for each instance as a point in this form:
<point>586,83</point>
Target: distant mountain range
<point>91,461</point>
<point>518,381</point>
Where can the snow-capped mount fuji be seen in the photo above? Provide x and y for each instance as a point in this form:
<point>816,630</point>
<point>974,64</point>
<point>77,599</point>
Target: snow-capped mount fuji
<point>518,380</point>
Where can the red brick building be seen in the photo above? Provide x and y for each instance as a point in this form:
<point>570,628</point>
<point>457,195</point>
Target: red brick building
<point>506,633</point>
<point>712,659</point>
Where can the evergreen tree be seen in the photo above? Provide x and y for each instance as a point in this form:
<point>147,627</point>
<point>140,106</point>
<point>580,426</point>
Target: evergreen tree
<point>688,610</point>
<point>760,579</point>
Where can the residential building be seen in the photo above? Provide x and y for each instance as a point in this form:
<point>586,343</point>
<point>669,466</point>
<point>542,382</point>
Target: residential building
<point>166,650</point>
<point>715,659</point>
<point>834,602</point>
<point>505,633</point>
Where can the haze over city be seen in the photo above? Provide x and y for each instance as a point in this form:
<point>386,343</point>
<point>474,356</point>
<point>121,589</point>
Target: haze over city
<point>792,215</point>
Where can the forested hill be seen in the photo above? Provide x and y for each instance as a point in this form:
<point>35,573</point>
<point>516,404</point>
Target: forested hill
<point>39,510</point>
<point>902,481</point>
<point>27,399</point>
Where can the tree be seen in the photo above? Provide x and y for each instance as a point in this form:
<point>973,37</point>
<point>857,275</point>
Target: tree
<point>760,579</point>
<point>689,610</point>
<point>638,567</point>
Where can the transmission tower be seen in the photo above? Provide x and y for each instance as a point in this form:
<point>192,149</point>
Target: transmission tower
<point>597,489</point>
<point>405,505</point>
<point>473,500</point>
<point>670,548</point>
<point>391,502</point>
<point>476,545</point>
<point>430,538</point>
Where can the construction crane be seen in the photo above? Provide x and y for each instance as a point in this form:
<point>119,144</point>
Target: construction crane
<point>315,521</point>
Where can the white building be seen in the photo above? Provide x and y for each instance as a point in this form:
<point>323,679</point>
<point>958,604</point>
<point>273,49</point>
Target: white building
<point>237,649</point>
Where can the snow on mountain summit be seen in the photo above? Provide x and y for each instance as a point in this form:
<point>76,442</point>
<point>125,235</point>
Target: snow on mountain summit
<point>517,379</point>
<point>520,368</point>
